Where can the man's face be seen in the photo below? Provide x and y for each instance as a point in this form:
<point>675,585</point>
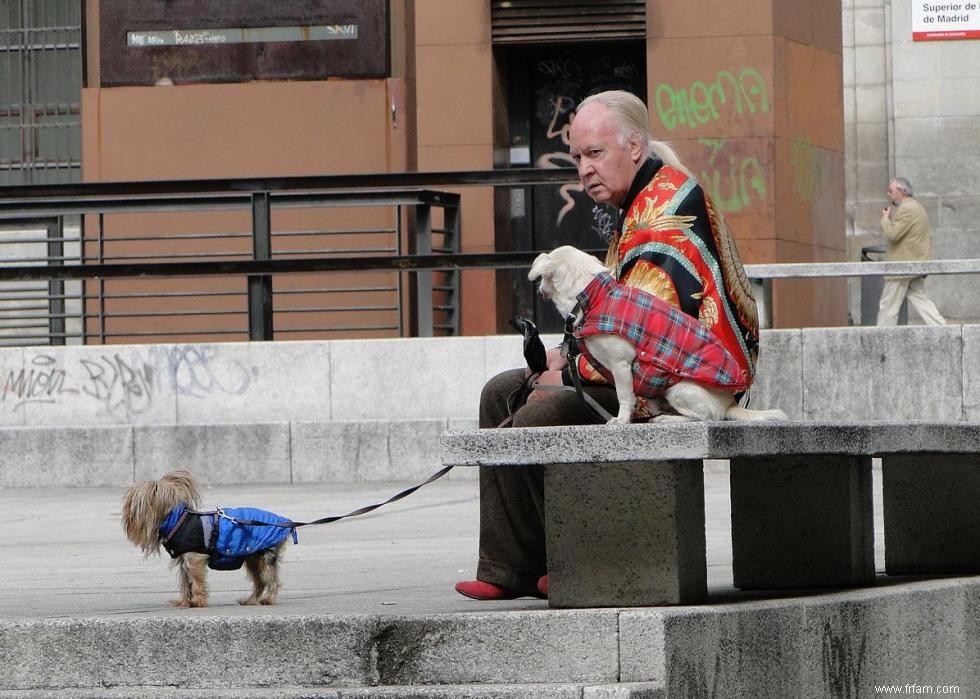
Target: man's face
<point>606,166</point>
<point>895,195</point>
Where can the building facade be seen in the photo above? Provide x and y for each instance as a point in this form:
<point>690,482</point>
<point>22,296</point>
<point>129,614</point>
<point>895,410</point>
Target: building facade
<point>792,118</point>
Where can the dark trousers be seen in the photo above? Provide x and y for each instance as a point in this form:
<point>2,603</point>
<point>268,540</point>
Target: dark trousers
<point>512,543</point>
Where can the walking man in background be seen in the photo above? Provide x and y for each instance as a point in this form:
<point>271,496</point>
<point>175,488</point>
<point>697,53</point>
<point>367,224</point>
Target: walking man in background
<point>908,236</point>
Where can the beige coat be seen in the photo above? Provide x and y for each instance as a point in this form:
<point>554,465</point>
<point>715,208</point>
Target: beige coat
<point>908,235</point>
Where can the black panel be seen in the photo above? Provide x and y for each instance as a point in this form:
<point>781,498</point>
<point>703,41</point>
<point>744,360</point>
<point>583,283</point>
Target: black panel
<point>201,52</point>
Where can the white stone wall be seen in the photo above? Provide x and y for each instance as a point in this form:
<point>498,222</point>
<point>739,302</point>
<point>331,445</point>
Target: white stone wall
<point>912,109</point>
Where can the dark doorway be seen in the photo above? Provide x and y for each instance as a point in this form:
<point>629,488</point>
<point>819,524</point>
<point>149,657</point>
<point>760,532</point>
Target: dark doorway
<point>543,84</point>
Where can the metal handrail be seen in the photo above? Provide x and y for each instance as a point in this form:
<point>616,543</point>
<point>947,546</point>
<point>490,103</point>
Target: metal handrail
<point>53,201</point>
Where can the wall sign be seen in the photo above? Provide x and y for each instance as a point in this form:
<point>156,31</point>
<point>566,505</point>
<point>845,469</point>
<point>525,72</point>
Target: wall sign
<point>937,21</point>
<point>143,42</point>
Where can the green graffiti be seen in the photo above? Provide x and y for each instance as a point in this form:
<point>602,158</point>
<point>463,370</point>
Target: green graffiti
<point>807,168</point>
<point>745,183</point>
<point>699,103</point>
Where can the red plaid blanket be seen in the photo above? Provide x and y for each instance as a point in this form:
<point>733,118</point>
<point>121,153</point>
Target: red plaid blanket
<point>670,345</point>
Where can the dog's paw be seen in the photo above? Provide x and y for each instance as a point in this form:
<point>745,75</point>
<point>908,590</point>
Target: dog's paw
<point>247,601</point>
<point>617,420</point>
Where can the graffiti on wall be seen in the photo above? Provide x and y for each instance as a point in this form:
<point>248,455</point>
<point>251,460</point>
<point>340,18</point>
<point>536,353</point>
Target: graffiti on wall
<point>561,121</point>
<point>703,103</point>
<point>125,386</point>
<point>808,170</point>
<point>735,181</point>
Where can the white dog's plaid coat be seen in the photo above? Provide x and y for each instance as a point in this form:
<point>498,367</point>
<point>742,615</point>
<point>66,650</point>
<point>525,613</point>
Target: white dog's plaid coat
<point>670,345</point>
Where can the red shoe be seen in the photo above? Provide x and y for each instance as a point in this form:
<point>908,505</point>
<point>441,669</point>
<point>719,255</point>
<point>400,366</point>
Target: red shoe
<point>477,589</point>
<point>543,585</point>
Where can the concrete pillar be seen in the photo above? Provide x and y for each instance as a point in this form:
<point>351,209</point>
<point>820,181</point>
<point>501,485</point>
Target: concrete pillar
<point>802,521</point>
<point>932,513</point>
<point>750,94</point>
<point>625,535</point>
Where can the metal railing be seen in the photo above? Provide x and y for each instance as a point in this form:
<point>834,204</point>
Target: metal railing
<point>80,272</point>
<point>108,262</point>
<point>762,276</point>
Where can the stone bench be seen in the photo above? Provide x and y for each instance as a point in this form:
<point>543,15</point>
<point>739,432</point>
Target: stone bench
<point>625,505</point>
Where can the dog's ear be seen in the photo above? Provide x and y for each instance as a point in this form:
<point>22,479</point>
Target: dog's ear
<point>543,266</point>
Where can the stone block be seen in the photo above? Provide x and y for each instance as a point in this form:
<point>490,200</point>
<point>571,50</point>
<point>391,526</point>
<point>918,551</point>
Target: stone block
<point>247,453</point>
<point>778,379</point>
<point>625,690</point>
<point>916,635</point>
<point>899,373</point>
<point>840,645</point>
<point>729,651</point>
<point>802,521</point>
<point>251,381</point>
<point>971,373</point>
<point>869,27</point>
<point>99,385</point>
<point>869,64</point>
<point>917,98</point>
<point>932,522</point>
<point>625,534</point>
<point>406,378</point>
<point>366,450</point>
<point>141,652</point>
<point>488,648</point>
<point>65,456</point>
<point>870,104</point>
<point>15,389</point>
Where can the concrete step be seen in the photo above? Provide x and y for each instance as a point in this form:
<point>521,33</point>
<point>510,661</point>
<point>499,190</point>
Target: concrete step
<point>249,452</point>
<point>368,606</point>
<point>628,690</point>
<point>215,652</point>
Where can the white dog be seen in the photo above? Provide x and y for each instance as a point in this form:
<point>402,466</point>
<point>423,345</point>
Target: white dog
<point>565,273</point>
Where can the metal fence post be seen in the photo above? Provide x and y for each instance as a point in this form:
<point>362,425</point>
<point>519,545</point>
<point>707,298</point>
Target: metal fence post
<point>423,279</point>
<point>260,285</point>
<point>762,291</point>
<point>56,287</point>
<point>451,226</point>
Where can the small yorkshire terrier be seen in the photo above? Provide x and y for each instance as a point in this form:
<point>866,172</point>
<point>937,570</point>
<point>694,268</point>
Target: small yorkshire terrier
<point>163,513</point>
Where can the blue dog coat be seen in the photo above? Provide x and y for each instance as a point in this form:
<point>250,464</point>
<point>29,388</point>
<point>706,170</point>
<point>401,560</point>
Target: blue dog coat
<point>228,536</point>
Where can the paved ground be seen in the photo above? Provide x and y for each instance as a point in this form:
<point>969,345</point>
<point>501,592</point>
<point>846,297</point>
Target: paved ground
<point>64,553</point>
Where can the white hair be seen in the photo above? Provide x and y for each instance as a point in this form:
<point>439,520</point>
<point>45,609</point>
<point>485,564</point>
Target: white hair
<point>633,119</point>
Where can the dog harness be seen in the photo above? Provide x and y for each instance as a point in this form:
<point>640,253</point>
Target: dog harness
<point>228,536</point>
<point>670,345</point>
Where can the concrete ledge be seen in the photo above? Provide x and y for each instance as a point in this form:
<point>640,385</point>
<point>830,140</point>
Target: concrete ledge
<point>625,690</point>
<point>336,651</point>
<point>841,644</point>
<point>812,374</point>
<point>837,644</point>
<point>374,450</point>
<point>703,440</point>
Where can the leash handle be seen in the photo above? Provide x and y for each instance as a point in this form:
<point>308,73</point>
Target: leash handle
<point>567,345</point>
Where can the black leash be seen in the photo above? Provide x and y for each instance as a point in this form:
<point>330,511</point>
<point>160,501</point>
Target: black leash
<point>336,518</point>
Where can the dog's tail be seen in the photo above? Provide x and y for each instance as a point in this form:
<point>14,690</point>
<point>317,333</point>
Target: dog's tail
<point>737,412</point>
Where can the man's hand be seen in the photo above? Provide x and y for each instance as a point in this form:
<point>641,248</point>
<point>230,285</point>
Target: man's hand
<point>554,360</point>
<point>547,378</point>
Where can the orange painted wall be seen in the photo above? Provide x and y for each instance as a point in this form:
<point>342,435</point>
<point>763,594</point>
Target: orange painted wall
<point>771,151</point>
<point>454,91</point>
